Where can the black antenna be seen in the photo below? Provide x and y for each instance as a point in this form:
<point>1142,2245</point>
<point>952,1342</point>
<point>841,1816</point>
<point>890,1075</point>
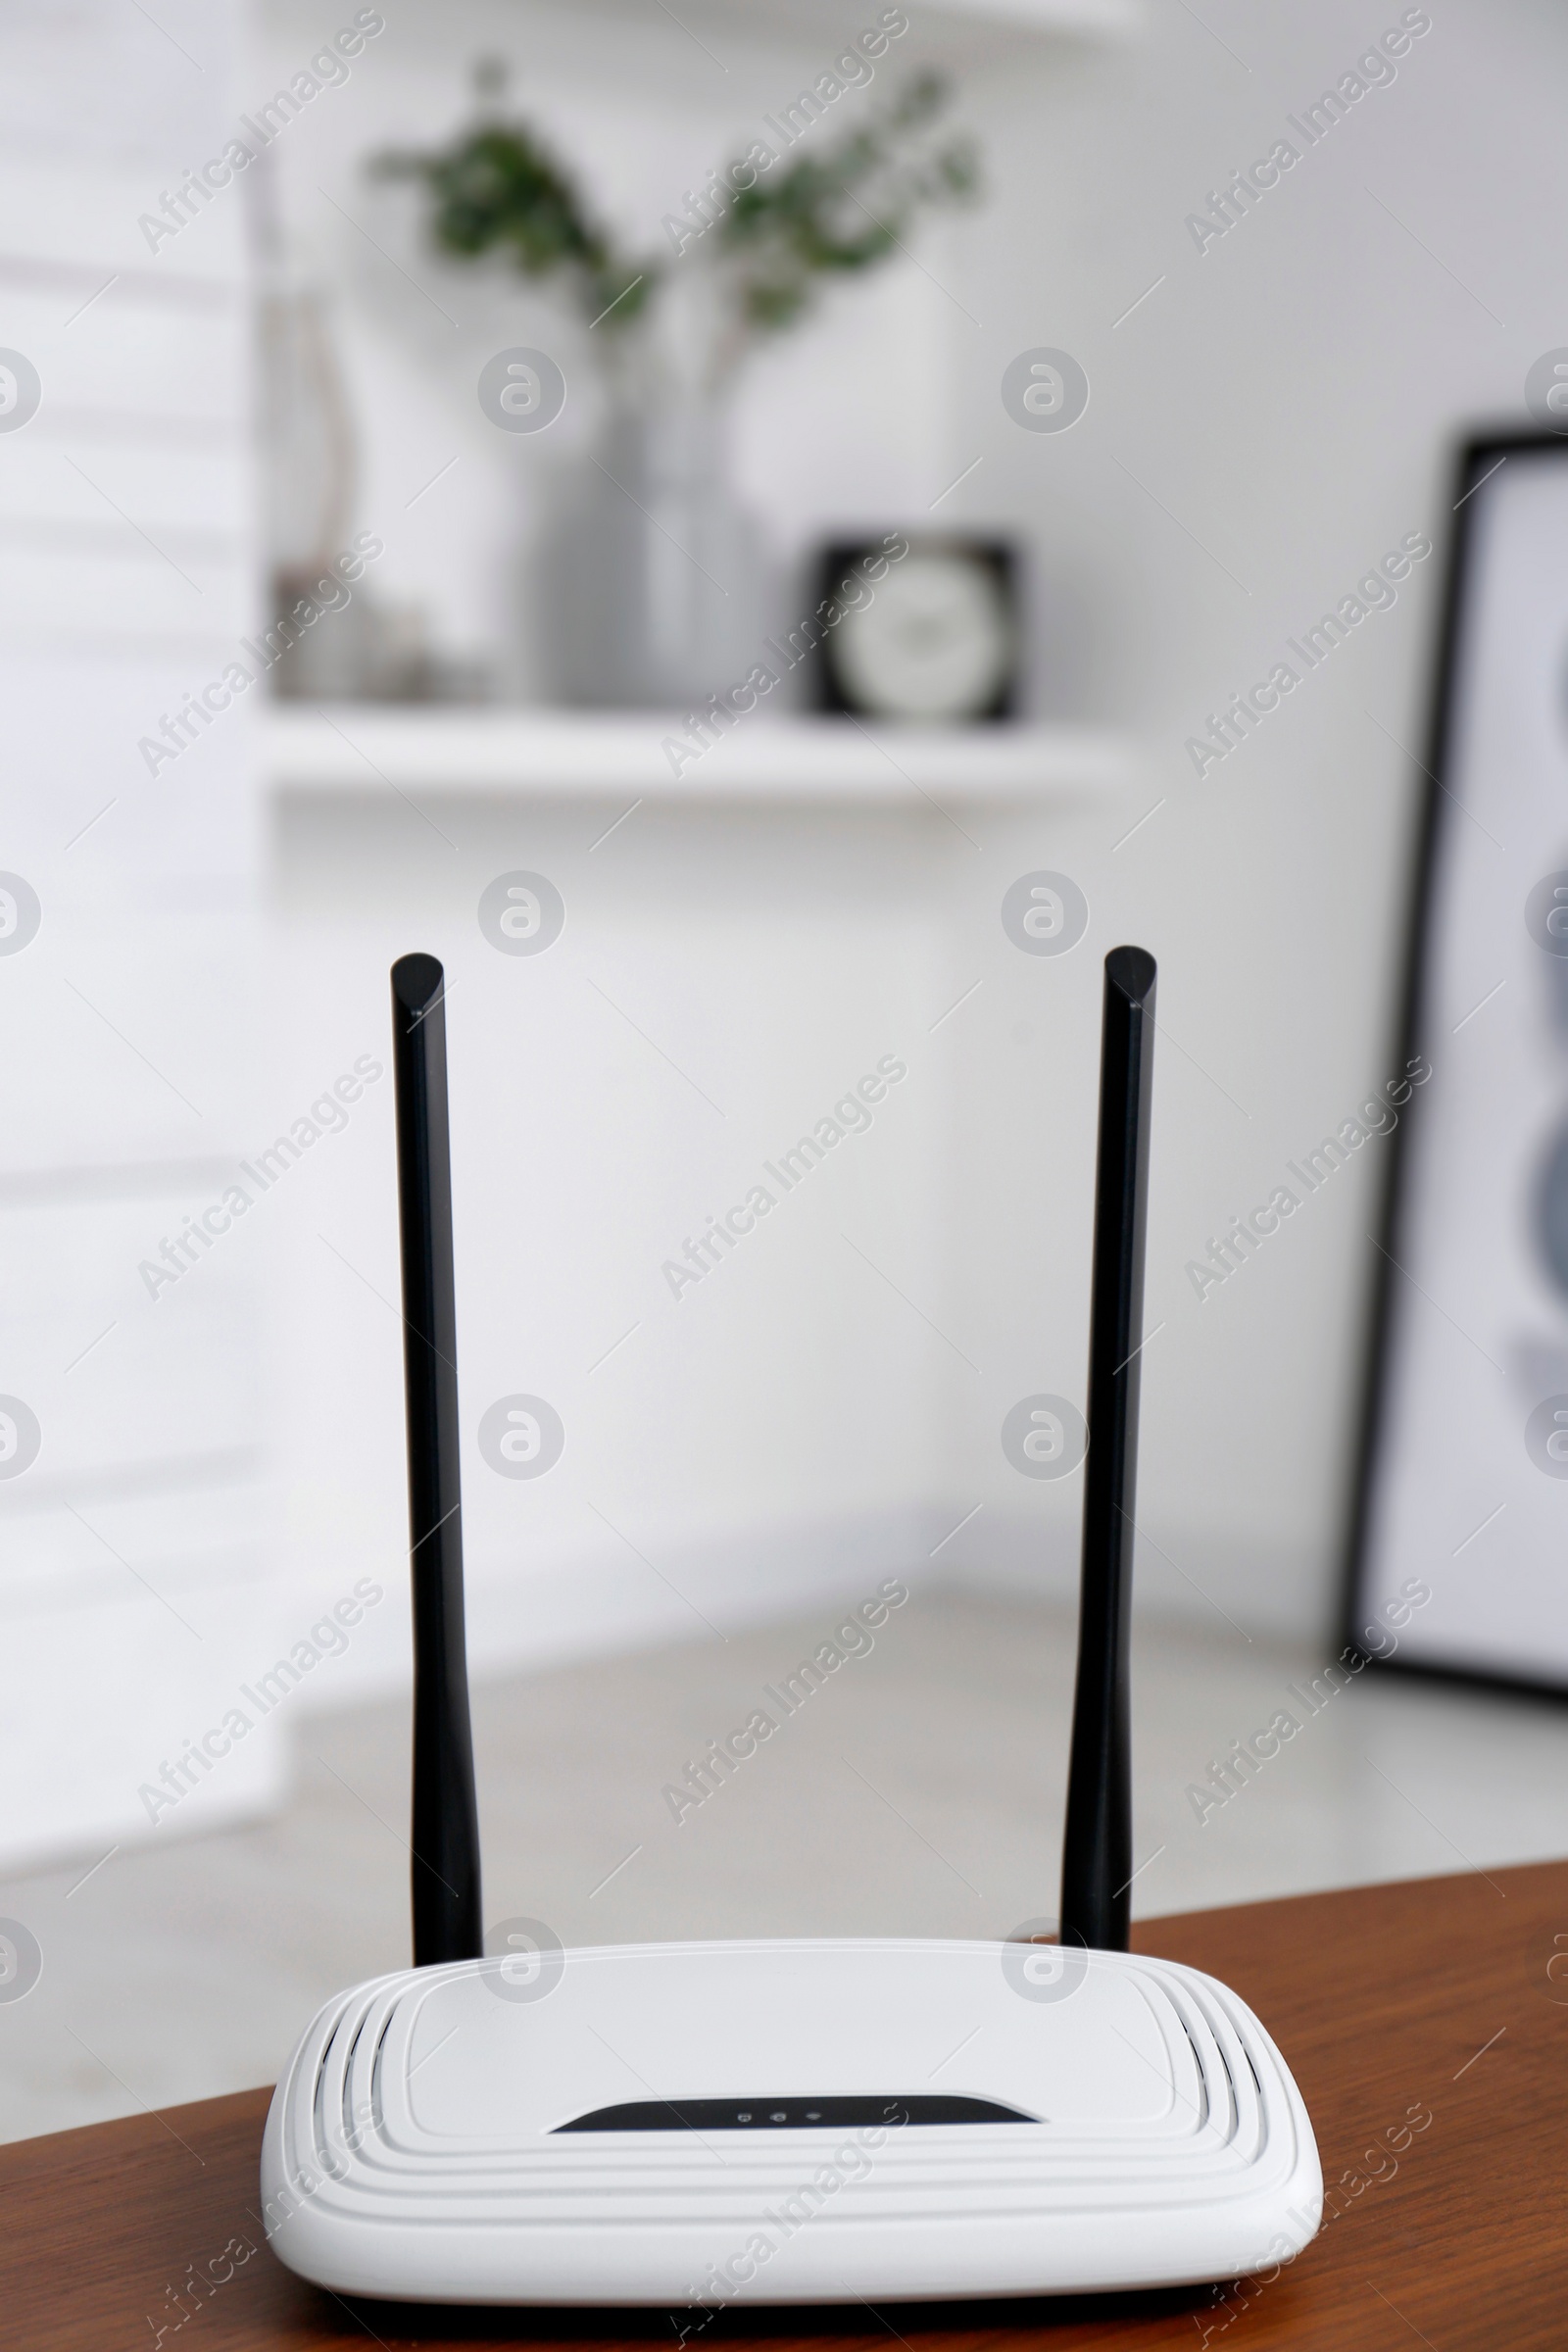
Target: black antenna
<point>1096,1863</point>
<point>447,1924</point>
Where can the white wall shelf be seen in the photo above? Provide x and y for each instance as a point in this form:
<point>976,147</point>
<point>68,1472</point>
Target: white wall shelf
<point>563,754</point>
<point>773,21</point>
<point>1083,19</point>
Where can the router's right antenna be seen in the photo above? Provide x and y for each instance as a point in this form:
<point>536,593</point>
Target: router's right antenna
<point>1097,1865</point>
<point>447,1923</point>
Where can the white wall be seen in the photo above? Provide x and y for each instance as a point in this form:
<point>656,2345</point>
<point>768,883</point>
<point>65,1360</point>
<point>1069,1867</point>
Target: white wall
<point>1287,399</point>
<point>1262,427</point>
<point>773,1429</point>
<point>136,1591</point>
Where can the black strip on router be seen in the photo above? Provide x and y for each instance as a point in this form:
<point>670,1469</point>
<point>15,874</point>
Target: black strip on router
<point>794,2114</point>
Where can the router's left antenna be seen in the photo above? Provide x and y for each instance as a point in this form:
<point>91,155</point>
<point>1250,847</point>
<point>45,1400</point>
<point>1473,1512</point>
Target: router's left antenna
<point>447,1922</point>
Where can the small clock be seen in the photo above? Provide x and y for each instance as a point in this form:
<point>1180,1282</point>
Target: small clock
<point>931,635</point>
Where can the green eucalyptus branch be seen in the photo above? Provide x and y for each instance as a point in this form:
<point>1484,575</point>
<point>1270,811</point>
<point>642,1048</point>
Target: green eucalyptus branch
<point>844,212</point>
<point>497,189</point>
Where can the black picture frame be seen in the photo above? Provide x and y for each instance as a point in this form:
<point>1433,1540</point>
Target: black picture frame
<point>998,557</point>
<point>1476,458</point>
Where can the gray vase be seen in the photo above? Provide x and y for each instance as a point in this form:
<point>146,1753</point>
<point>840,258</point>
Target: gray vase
<point>653,578</point>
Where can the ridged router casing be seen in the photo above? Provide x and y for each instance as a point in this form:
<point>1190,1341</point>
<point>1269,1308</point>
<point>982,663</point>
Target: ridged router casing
<point>416,2150</point>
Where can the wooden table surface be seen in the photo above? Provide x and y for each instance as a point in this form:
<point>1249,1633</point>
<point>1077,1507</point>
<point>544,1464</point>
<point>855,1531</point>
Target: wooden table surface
<point>1436,1999</point>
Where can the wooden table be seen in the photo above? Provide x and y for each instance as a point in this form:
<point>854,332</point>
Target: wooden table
<point>1438,1999</point>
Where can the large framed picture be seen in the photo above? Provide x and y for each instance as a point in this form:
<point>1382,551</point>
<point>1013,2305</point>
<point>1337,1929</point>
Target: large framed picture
<point>1459,1548</point>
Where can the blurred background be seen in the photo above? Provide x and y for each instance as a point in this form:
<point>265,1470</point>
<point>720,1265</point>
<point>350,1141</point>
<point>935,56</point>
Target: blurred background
<point>741,530</point>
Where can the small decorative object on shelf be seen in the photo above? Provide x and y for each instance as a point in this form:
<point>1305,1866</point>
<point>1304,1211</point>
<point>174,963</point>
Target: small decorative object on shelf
<point>309,475</point>
<point>933,637</point>
<point>656,574</point>
<point>330,635</point>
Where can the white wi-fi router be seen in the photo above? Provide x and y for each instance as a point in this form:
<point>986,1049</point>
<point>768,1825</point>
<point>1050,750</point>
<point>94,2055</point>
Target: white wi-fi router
<point>685,2125</point>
